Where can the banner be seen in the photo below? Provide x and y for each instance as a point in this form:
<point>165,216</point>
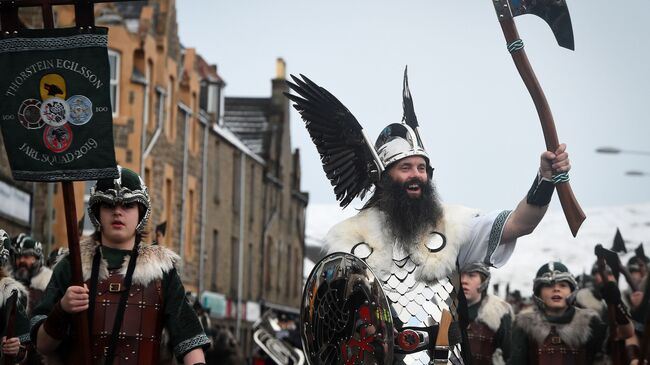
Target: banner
<point>55,107</point>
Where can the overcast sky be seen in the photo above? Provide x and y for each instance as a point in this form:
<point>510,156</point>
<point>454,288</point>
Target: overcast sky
<point>478,121</point>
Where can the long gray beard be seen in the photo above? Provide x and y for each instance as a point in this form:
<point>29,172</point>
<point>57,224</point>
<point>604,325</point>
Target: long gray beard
<point>408,218</point>
<point>24,274</point>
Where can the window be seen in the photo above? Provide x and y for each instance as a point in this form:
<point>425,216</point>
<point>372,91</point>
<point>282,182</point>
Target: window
<point>168,193</point>
<point>86,227</point>
<point>288,287</point>
<point>267,266</point>
<point>279,266</point>
<point>234,262</point>
<point>215,261</point>
<point>251,195</point>
<point>236,180</point>
<point>159,104</point>
<point>169,110</point>
<point>250,281</point>
<point>216,167</point>
<point>114,65</point>
<point>189,224</point>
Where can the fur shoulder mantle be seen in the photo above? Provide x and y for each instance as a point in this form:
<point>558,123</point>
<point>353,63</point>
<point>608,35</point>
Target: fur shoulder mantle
<point>370,226</point>
<point>575,333</point>
<point>153,261</point>
<point>491,311</point>
<point>40,280</point>
<point>7,286</point>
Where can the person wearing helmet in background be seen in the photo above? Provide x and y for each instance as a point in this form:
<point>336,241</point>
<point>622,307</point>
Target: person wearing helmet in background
<point>490,317</point>
<point>16,345</point>
<point>555,331</point>
<point>132,289</point>
<point>29,268</point>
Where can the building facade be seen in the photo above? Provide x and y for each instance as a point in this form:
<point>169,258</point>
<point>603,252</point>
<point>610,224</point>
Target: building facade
<point>223,179</point>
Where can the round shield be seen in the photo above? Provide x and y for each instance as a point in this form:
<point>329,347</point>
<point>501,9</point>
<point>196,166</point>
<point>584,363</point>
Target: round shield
<point>29,114</point>
<point>81,109</point>
<point>55,112</point>
<point>344,316</point>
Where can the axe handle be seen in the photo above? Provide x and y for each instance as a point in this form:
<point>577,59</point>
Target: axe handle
<point>572,211</point>
<point>615,348</point>
<point>443,329</point>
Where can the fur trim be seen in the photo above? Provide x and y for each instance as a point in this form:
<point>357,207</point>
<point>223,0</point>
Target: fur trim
<point>153,262</point>
<point>586,299</point>
<point>575,333</point>
<point>370,226</point>
<point>491,311</point>
<point>497,357</point>
<point>40,280</point>
<point>7,286</point>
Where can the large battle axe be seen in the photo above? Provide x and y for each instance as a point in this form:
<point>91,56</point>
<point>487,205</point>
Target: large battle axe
<point>556,15</point>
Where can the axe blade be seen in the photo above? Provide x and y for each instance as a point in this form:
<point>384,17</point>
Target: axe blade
<point>554,12</point>
<point>611,258</point>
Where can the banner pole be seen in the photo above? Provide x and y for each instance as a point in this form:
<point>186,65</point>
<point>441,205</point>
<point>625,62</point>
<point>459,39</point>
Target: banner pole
<point>72,228</point>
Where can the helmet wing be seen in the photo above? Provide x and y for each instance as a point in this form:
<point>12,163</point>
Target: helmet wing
<point>348,159</point>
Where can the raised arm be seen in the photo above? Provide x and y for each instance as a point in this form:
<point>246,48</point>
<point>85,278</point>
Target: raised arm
<point>532,208</point>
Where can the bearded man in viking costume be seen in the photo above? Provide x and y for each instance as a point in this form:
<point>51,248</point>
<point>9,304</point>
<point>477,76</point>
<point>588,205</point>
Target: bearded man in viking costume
<point>414,244</point>
<point>29,268</point>
<point>490,317</point>
<point>132,290</point>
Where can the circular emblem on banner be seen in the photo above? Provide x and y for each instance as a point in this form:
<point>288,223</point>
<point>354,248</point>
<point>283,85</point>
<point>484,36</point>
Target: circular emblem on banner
<point>81,109</point>
<point>29,114</point>
<point>55,112</point>
<point>57,139</point>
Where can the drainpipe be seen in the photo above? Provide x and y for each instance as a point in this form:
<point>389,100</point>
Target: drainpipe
<point>145,118</point>
<point>188,115</point>
<point>204,194</point>
<point>240,269</point>
<point>159,129</point>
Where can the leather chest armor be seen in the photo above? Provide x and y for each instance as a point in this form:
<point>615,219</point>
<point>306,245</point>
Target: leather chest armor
<point>420,304</point>
<point>554,351</point>
<point>139,337</point>
<point>481,342</point>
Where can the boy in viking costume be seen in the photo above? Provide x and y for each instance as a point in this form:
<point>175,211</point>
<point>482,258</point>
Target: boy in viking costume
<point>413,243</point>
<point>13,299</point>
<point>132,290</point>
<point>490,317</point>
<point>555,331</point>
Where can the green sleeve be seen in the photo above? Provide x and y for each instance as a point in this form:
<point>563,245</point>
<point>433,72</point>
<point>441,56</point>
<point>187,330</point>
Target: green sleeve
<point>22,324</point>
<point>518,346</point>
<point>598,335</point>
<point>53,293</point>
<point>503,335</point>
<point>181,321</point>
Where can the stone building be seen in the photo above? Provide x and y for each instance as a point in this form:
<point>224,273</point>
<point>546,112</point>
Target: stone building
<point>222,177</point>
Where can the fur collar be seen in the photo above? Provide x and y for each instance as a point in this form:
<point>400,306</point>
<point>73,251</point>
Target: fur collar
<point>586,299</point>
<point>575,333</point>
<point>370,226</point>
<point>7,286</point>
<point>40,280</point>
<point>491,311</point>
<point>153,262</point>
